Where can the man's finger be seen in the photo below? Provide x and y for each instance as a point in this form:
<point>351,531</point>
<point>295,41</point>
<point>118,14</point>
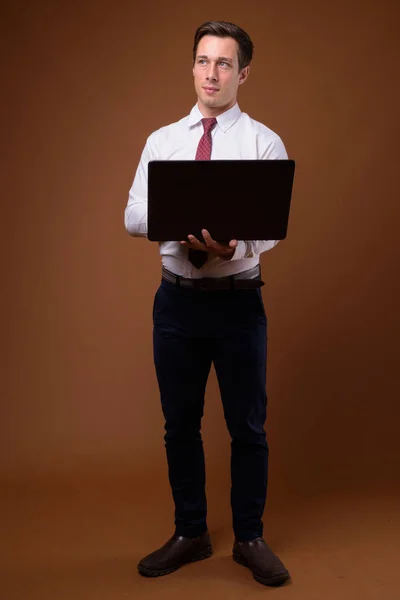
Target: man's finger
<point>193,240</point>
<point>195,243</point>
<point>210,242</point>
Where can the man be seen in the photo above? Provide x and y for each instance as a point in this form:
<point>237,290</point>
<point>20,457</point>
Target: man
<point>222,322</point>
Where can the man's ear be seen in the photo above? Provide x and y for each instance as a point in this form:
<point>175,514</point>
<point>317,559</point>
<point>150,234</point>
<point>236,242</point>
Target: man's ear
<point>244,73</point>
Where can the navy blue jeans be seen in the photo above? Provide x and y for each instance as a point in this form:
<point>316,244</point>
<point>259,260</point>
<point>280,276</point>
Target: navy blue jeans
<point>192,330</point>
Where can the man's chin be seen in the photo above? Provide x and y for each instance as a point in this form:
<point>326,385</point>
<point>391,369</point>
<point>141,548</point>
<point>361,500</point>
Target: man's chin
<point>211,102</point>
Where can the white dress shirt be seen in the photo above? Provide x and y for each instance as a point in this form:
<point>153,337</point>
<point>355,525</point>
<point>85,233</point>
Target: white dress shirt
<point>236,136</point>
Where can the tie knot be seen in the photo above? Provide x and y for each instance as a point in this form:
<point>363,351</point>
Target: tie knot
<point>209,123</point>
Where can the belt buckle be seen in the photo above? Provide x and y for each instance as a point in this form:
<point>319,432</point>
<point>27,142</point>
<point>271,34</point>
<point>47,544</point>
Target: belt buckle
<point>208,283</point>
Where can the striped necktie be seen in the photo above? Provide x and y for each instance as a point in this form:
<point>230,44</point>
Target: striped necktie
<point>197,257</point>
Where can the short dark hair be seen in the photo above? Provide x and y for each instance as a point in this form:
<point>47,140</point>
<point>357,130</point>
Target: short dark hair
<point>226,29</point>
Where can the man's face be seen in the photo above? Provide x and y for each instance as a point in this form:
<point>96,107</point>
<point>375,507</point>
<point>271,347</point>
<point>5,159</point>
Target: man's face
<point>216,74</point>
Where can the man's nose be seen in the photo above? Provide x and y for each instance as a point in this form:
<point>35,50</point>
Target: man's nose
<point>212,72</point>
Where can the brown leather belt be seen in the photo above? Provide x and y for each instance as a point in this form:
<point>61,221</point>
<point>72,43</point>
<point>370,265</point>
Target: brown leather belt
<point>246,280</point>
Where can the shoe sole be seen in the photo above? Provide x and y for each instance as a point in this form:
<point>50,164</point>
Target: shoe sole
<point>271,581</point>
<point>206,553</point>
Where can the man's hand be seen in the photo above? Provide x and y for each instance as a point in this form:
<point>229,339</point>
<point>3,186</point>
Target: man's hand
<point>224,251</point>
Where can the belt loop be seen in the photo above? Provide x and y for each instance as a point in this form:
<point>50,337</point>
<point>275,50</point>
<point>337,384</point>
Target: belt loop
<point>178,281</point>
<point>232,283</point>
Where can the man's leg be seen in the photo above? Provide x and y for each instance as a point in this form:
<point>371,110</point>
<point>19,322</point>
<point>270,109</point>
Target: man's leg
<point>240,364</point>
<point>182,360</point>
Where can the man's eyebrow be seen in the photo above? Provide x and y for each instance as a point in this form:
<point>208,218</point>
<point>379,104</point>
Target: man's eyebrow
<point>220,58</point>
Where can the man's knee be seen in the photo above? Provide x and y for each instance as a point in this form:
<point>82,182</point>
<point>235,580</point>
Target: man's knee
<point>246,433</point>
<point>179,430</point>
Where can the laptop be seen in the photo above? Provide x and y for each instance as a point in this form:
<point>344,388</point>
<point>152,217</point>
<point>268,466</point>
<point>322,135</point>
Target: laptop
<point>232,199</point>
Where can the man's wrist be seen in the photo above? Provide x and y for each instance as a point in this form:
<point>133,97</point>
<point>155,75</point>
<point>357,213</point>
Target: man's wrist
<point>239,251</point>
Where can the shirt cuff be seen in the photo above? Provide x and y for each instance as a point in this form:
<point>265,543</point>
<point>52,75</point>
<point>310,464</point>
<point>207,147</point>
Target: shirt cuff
<point>240,251</point>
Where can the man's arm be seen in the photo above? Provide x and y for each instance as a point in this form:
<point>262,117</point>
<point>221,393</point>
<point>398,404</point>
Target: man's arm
<point>136,209</point>
<point>273,150</point>
<point>238,249</point>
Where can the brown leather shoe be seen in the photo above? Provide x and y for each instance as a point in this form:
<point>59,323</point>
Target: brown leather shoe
<point>174,554</point>
<point>259,558</point>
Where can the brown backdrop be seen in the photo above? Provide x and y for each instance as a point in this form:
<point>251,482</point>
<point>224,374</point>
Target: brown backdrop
<point>84,87</point>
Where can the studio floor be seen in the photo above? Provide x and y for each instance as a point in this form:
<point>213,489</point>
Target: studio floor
<point>81,539</point>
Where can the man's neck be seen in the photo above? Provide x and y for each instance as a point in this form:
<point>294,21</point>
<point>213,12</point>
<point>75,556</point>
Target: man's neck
<point>208,111</point>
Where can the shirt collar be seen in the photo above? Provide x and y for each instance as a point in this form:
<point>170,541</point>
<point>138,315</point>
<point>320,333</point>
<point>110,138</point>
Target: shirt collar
<point>225,121</point>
